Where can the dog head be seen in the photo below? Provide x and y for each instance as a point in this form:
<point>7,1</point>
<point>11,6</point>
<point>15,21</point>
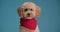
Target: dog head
<point>29,10</point>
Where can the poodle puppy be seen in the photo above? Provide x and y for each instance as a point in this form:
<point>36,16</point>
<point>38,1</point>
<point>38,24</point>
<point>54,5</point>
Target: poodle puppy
<point>28,11</point>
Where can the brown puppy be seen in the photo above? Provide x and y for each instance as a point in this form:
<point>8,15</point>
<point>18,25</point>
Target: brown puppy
<point>28,11</point>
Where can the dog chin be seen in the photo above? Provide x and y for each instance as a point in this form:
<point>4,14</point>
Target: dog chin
<point>29,17</point>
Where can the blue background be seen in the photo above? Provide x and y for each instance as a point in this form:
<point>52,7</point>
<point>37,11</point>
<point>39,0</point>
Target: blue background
<point>49,21</point>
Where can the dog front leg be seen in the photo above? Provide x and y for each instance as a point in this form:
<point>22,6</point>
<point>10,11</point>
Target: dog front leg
<point>37,29</point>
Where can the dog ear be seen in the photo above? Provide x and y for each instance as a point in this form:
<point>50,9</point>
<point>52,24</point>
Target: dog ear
<point>37,11</point>
<point>20,11</point>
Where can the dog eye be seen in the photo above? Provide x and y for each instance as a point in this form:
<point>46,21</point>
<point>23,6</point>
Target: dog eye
<point>31,9</point>
<point>26,10</point>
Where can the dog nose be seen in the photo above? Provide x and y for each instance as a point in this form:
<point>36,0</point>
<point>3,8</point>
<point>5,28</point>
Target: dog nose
<point>28,14</point>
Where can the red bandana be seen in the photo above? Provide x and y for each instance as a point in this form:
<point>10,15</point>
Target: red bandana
<point>28,23</point>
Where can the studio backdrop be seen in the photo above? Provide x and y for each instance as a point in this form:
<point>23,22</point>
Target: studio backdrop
<point>49,20</point>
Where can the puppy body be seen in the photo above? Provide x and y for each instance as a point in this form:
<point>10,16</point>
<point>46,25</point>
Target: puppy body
<point>24,29</point>
<point>28,11</point>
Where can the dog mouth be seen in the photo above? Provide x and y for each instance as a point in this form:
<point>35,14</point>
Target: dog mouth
<point>29,16</point>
